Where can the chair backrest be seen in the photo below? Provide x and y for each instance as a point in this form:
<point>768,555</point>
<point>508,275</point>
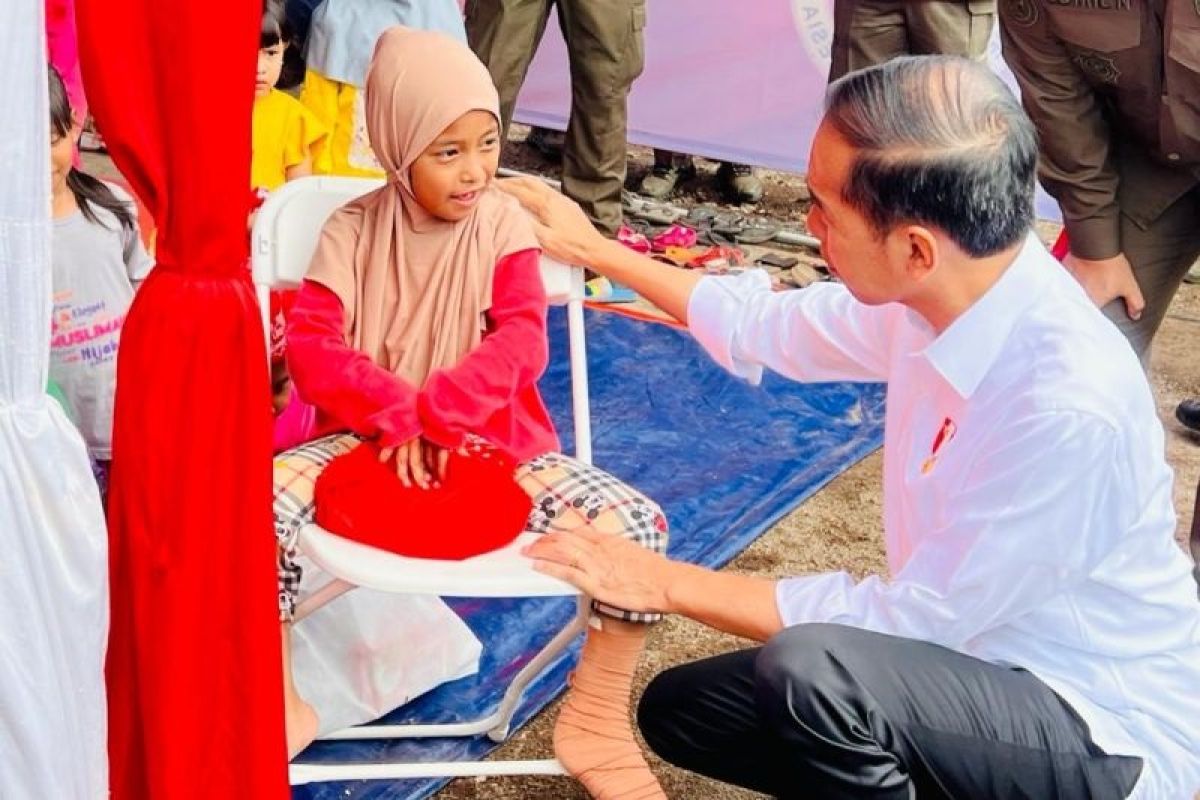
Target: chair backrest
<point>290,221</point>
<point>285,235</point>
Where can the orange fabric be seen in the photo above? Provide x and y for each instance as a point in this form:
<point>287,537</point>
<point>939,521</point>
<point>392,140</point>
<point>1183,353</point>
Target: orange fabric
<point>195,691</point>
<point>593,737</point>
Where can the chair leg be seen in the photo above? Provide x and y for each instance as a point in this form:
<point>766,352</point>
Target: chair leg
<point>512,695</point>
<point>326,594</point>
<point>580,403</point>
<point>301,774</point>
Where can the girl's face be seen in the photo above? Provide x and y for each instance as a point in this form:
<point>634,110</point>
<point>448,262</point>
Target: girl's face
<point>448,178</point>
<point>270,64</point>
<point>62,154</point>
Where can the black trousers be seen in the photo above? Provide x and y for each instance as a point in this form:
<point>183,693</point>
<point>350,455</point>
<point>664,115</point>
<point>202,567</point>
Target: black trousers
<point>829,711</point>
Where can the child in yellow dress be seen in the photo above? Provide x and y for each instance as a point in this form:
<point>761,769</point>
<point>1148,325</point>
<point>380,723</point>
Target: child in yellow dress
<point>288,139</point>
<point>339,45</point>
<point>288,142</point>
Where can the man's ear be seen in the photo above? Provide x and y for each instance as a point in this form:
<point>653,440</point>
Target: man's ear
<point>922,252</point>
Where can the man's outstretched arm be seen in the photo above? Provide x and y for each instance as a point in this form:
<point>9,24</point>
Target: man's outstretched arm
<point>567,235</point>
<point>818,334</point>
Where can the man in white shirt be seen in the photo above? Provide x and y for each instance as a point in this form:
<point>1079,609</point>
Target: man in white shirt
<point>1039,635</point>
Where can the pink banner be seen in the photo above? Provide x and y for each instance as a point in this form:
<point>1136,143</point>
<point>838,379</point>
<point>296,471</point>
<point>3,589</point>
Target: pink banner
<point>742,83</point>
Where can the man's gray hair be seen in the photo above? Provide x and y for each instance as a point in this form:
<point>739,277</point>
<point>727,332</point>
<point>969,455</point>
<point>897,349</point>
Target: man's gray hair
<point>942,142</point>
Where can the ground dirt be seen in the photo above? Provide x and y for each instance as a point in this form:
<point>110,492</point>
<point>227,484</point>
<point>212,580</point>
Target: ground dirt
<point>838,528</point>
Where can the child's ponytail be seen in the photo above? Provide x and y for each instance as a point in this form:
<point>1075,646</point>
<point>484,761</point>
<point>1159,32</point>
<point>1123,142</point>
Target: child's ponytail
<point>88,191</point>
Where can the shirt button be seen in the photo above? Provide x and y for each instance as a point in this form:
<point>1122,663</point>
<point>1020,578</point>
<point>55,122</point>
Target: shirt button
<point>1172,156</point>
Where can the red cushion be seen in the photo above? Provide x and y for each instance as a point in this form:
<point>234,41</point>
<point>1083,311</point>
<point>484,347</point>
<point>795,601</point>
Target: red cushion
<point>479,507</point>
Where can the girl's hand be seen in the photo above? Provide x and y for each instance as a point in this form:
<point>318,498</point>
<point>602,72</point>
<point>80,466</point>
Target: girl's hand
<point>406,460</point>
<point>435,459</point>
<point>418,462</point>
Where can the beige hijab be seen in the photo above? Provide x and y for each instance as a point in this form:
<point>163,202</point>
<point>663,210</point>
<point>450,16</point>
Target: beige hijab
<point>414,288</point>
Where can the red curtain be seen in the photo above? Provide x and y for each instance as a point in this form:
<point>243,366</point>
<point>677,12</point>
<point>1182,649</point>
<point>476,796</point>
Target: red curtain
<point>194,686</point>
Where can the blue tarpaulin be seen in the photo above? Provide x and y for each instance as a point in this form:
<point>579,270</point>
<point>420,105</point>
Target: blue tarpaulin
<point>724,459</point>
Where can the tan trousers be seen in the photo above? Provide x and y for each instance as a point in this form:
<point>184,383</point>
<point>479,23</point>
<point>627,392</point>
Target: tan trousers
<point>604,40</point>
<point>870,32</point>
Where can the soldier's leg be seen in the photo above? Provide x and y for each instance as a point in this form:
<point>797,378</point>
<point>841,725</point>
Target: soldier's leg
<point>505,35</point>
<point>955,28</point>
<point>866,33</point>
<point>604,39</point>
<point>1160,251</point>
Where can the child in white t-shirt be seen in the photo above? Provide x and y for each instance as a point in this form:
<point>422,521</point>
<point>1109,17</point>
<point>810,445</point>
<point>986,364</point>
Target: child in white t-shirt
<point>97,262</point>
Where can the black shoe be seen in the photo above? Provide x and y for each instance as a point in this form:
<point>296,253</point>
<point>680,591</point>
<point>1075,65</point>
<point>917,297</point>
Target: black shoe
<point>547,142</point>
<point>739,183</point>
<point>1188,414</point>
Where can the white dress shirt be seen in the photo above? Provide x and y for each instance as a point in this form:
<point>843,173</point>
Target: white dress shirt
<point>1027,500</point>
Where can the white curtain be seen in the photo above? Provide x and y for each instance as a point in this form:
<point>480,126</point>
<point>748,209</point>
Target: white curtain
<point>53,545</point>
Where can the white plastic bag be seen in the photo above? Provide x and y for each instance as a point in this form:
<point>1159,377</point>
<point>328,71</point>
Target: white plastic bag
<point>368,652</point>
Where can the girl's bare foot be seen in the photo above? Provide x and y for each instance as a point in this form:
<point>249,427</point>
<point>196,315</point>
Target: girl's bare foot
<point>301,723</point>
<point>299,718</point>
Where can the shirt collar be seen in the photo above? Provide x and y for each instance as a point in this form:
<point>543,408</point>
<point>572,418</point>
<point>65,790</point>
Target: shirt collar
<point>965,352</point>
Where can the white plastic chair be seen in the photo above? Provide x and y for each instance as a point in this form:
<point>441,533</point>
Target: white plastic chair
<point>283,240</point>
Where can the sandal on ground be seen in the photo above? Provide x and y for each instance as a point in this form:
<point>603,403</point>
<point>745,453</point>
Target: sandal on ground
<point>756,233</point>
<point>602,290</point>
<point>678,256</point>
<point>656,213</point>
<point>718,257</point>
<point>633,239</point>
<point>675,236</point>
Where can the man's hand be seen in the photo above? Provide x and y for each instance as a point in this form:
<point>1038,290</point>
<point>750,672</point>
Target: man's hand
<point>1107,279</point>
<point>623,574</point>
<point>418,462</point>
<point>609,568</point>
<point>563,230</point>
<point>567,235</point>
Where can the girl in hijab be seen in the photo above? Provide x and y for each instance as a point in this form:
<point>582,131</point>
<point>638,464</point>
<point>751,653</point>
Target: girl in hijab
<point>421,329</point>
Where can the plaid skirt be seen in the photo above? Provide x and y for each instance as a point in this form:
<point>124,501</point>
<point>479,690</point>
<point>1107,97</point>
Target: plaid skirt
<point>567,494</point>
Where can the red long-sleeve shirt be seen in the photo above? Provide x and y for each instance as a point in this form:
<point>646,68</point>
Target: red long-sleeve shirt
<point>492,392</point>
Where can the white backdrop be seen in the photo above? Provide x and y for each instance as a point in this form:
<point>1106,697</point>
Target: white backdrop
<point>53,545</point>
